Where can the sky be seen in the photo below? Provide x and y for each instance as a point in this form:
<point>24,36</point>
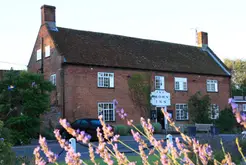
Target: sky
<point>164,20</point>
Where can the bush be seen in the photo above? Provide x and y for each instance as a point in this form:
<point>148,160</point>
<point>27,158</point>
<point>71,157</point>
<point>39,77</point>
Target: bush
<point>226,121</point>
<point>139,127</point>
<point>48,134</point>
<point>122,130</point>
<point>157,127</point>
<point>7,156</point>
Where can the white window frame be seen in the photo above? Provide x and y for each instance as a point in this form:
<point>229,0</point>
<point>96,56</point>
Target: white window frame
<point>47,51</point>
<point>180,84</point>
<point>244,107</point>
<point>39,55</point>
<point>53,79</point>
<point>210,84</point>
<point>216,109</point>
<point>105,79</point>
<point>102,111</point>
<point>159,82</point>
<point>179,110</point>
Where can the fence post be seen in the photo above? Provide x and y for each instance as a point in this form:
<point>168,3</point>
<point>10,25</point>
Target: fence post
<point>169,138</point>
<point>72,142</point>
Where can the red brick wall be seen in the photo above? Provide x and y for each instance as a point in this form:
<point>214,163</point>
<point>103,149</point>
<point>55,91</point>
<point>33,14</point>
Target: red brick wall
<point>82,93</point>
<point>52,65</point>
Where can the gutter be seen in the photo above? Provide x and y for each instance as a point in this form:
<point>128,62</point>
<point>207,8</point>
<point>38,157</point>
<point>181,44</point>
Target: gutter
<point>215,58</point>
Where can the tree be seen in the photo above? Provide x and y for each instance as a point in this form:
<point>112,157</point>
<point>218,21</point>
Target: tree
<point>238,70</point>
<point>24,97</point>
<point>199,108</point>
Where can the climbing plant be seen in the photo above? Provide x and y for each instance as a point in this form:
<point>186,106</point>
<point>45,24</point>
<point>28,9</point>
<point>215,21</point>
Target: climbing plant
<point>139,87</point>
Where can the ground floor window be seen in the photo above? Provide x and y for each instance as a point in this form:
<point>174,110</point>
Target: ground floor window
<point>214,111</point>
<point>106,109</point>
<point>182,112</point>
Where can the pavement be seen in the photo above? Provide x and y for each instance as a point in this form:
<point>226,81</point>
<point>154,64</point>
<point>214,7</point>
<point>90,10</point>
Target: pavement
<point>83,149</point>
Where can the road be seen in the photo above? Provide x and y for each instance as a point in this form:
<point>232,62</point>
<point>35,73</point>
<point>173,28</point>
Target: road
<point>83,149</point>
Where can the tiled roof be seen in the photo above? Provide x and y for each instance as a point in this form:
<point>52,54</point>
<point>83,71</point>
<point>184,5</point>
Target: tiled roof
<point>93,48</point>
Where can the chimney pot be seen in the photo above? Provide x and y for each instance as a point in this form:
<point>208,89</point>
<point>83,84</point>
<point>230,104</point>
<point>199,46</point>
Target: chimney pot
<point>48,15</point>
<point>202,38</point>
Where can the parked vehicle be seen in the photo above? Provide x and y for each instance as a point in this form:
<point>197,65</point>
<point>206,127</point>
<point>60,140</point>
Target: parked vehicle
<point>89,125</point>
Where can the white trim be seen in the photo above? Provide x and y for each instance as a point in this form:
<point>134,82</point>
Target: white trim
<point>212,82</point>
<point>53,79</point>
<point>217,111</point>
<point>109,109</point>
<point>47,51</point>
<point>179,110</point>
<point>217,61</point>
<point>38,55</point>
<point>244,107</point>
<point>162,82</point>
<point>182,84</point>
<point>105,79</point>
<point>239,101</point>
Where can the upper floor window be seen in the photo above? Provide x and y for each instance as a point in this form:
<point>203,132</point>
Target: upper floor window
<point>39,54</point>
<point>53,79</point>
<point>159,82</point>
<point>214,111</point>
<point>180,84</point>
<point>212,85</point>
<point>47,51</point>
<point>107,111</point>
<point>105,79</point>
<point>182,112</point>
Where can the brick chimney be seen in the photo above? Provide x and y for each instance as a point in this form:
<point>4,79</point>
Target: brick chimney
<point>48,16</point>
<point>202,39</point>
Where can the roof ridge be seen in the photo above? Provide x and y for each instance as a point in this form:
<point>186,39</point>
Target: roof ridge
<point>118,35</point>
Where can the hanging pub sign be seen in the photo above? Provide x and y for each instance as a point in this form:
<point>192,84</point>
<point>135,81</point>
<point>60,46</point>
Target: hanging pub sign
<point>160,98</point>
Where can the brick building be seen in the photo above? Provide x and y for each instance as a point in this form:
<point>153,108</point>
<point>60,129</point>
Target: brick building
<point>90,69</point>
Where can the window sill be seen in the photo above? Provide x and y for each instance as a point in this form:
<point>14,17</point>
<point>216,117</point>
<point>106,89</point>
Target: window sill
<point>212,91</point>
<point>106,87</point>
<point>182,120</point>
<point>180,90</point>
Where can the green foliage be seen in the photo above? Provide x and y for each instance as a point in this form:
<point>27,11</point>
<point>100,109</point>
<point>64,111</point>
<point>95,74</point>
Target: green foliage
<point>48,133</point>
<point>199,108</point>
<point>242,144</point>
<point>226,120</point>
<point>21,106</point>
<point>157,127</point>
<point>23,159</point>
<point>122,130</point>
<point>7,156</point>
<point>238,68</point>
<point>139,127</point>
<point>139,86</point>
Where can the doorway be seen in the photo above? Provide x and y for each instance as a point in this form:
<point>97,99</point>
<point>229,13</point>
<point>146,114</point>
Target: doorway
<point>160,117</point>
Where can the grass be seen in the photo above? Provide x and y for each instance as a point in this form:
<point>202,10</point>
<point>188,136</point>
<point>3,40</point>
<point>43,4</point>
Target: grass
<point>151,159</point>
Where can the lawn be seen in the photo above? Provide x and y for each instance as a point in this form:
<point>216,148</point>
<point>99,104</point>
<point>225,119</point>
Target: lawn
<point>151,159</point>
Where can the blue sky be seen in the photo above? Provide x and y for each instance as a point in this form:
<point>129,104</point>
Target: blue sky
<point>165,20</point>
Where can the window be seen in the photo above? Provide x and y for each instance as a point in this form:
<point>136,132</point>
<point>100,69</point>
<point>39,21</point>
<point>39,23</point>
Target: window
<point>182,112</point>
<point>53,79</point>
<point>47,51</point>
<point>105,79</point>
<point>244,107</point>
<point>212,85</point>
<point>107,111</point>
<point>214,111</point>
<point>39,54</point>
<point>159,82</point>
<point>180,84</point>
